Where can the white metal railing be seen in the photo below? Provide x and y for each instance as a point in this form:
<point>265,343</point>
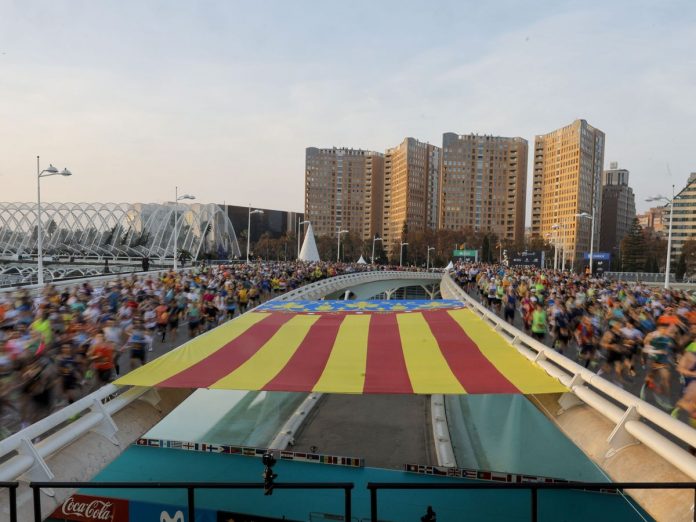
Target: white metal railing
<point>585,386</point>
<point>345,281</point>
<point>62,283</point>
<point>31,457</point>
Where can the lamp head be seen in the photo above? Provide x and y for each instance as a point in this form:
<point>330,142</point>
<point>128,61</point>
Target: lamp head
<point>51,170</point>
<point>65,172</point>
<point>187,196</point>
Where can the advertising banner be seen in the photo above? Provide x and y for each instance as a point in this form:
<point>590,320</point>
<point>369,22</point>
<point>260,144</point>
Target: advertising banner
<point>85,508</point>
<point>601,261</point>
<point>534,258</point>
<point>469,255</point>
<point>149,512</point>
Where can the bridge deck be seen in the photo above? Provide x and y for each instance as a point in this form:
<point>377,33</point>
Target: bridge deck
<point>388,431</point>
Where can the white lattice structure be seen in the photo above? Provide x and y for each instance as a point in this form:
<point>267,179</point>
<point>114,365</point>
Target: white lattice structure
<point>117,230</point>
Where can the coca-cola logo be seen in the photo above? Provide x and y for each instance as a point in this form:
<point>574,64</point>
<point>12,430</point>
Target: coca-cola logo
<point>83,508</point>
<point>94,510</point>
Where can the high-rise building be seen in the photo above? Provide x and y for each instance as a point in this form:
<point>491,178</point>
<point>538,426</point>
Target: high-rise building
<point>684,225</point>
<point>618,209</point>
<point>344,191</point>
<point>654,221</point>
<point>568,165</point>
<point>410,193</point>
<point>483,184</point>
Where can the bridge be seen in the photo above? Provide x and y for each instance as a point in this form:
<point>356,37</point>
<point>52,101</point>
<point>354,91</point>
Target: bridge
<point>589,430</point>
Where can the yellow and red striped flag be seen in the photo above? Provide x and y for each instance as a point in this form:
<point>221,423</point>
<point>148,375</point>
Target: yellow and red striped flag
<point>421,347</point>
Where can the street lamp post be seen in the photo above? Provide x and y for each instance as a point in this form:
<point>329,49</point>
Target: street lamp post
<point>50,171</point>
<point>299,227</point>
<point>255,211</point>
<point>427,259</point>
<point>555,228</point>
<point>338,249</point>
<point>373,247</point>
<point>670,202</point>
<point>178,198</point>
<point>589,216</point>
<point>401,252</point>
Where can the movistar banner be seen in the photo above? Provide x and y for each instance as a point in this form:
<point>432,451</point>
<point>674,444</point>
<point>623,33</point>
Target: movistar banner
<point>470,255</point>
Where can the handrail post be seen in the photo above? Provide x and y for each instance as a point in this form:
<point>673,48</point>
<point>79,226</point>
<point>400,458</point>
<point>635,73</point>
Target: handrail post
<point>348,506</point>
<point>533,490</point>
<point>373,504</point>
<point>37,502</point>
<point>13,503</point>
<point>191,504</point>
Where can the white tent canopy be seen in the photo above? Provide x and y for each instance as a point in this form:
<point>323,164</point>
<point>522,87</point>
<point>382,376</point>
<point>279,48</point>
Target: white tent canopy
<point>362,261</point>
<point>309,250</point>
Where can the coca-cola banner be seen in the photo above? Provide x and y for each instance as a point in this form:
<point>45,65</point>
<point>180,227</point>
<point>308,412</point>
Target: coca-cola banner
<point>84,508</point>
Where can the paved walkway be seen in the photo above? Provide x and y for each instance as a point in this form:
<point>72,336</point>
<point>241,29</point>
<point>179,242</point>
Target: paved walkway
<point>388,431</point>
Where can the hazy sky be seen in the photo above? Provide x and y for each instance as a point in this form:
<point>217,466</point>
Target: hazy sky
<point>222,97</point>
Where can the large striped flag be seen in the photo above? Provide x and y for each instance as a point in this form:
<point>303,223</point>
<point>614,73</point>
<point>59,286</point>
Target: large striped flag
<point>422,347</point>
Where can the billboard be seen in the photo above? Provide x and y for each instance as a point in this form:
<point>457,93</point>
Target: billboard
<point>534,258</point>
<point>601,261</point>
<point>468,255</point>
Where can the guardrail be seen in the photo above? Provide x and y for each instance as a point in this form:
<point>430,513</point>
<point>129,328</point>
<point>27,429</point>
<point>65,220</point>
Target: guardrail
<point>61,283</point>
<point>333,284</point>
<point>191,488</point>
<point>31,457</point>
<point>533,488</point>
<point>585,386</point>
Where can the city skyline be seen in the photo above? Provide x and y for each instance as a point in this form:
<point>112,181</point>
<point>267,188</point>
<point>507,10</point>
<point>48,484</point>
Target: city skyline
<point>223,99</point>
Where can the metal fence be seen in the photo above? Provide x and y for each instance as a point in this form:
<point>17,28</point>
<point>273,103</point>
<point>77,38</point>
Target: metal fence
<point>347,487</point>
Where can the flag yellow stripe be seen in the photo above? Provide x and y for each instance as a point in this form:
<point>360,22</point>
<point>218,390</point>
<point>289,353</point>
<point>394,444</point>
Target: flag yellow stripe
<point>521,372</point>
<point>272,357</point>
<point>345,369</point>
<point>188,353</point>
<point>427,367</point>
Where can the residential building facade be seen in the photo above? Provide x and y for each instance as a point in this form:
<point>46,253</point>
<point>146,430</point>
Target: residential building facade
<point>409,190</point>
<point>618,209</point>
<point>568,164</point>
<point>344,191</point>
<point>654,221</point>
<point>684,225</point>
<point>483,184</point>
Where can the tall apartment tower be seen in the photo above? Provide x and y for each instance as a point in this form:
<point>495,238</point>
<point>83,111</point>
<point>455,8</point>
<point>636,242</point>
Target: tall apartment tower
<point>344,191</point>
<point>618,209</point>
<point>409,190</point>
<point>483,184</point>
<point>568,166</point>
<point>684,227</point>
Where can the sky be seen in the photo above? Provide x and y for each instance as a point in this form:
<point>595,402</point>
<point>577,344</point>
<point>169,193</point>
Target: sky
<point>221,98</point>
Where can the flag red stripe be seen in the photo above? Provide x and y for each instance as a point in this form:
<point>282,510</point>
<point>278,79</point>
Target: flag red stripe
<point>473,370</point>
<point>230,357</point>
<point>306,365</point>
<point>386,368</point>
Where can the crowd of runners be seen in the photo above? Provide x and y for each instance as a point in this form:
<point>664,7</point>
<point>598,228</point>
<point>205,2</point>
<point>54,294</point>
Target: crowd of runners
<point>61,344</point>
<point>637,336</point>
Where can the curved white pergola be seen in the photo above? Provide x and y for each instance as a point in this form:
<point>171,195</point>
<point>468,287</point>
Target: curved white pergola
<point>116,230</point>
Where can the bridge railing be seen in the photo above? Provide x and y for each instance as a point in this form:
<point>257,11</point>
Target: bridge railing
<point>623,409</point>
<point>344,281</point>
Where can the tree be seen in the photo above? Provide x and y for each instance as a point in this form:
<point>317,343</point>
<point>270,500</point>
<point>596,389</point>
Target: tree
<point>633,258</point>
<point>681,267</point>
